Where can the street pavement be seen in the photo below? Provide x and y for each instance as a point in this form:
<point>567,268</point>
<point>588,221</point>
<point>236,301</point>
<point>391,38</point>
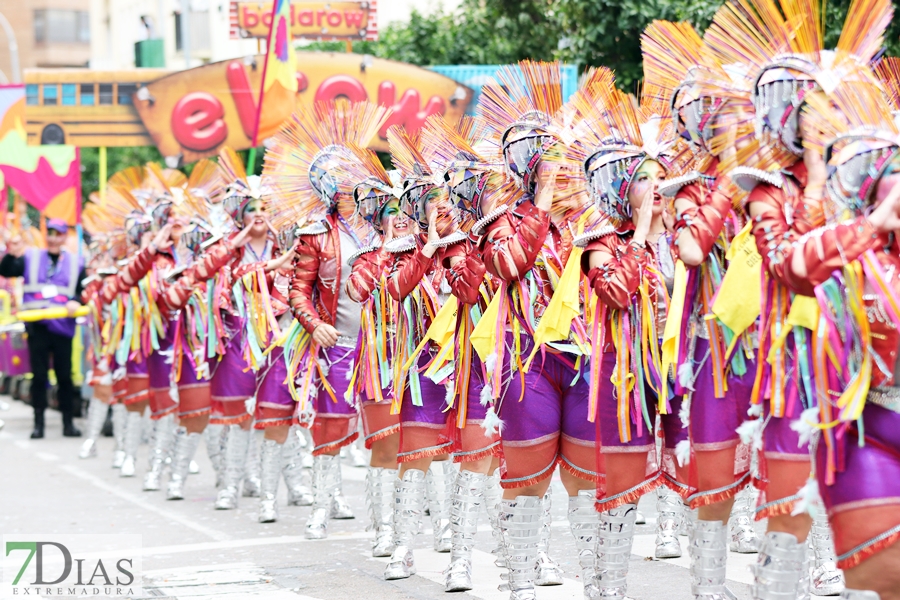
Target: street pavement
<point>194,552</point>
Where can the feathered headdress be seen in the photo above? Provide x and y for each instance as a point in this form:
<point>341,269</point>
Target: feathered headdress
<point>623,134</point>
<point>421,186</point>
<point>202,208</point>
<point>517,112</point>
<point>310,165</point>
<point>888,70</point>
<point>376,190</point>
<point>782,45</point>
<point>240,189</point>
<point>858,137</point>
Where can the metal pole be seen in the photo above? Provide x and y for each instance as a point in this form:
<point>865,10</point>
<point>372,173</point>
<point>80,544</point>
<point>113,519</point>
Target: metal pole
<point>186,32</point>
<point>13,49</point>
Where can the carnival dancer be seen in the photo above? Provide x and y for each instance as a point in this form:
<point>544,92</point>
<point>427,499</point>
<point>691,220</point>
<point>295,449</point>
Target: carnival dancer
<point>51,277</point>
<point>376,199</point>
<point>308,165</point>
<point>786,65</point>
<point>853,263</point>
<point>623,151</point>
<point>100,379</point>
<point>258,303</point>
<point>415,285</point>
<point>714,363</point>
<point>542,401</point>
<point>450,149</point>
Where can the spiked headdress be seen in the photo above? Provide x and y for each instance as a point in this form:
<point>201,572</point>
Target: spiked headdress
<point>782,44</point>
<point>517,112</point>
<point>240,189</point>
<point>376,190</point>
<point>311,166</point>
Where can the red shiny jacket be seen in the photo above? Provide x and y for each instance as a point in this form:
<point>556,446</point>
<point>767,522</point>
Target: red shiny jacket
<point>706,216</point>
<point>466,276</point>
<point>366,274</point>
<point>316,276</point>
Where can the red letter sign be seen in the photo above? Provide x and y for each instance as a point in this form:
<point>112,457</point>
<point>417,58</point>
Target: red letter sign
<point>197,122</point>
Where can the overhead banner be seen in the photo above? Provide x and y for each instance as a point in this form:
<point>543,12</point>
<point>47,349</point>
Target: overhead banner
<point>191,114</point>
<point>312,20</point>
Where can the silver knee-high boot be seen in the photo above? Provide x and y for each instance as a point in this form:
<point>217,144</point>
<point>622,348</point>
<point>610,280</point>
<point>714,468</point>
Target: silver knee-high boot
<point>709,555</point>
<point>826,579</point>
<point>521,521</point>
<point>438,484</point>
<point>132,443</point>
<point>493,493</point>
<point>742,535</point>
<point>296,478</point>
<point>781,571</point>
<point>379,502</point>
<point>326,479</point>
<point>95,418</point>
<point>216,438</point>
<point>250,487</point>
<point>235,459</point>
<point>340,508</point>
<point>468,495</point>
<point>859,595</point>
<point>270,473</point>
<point>614,541</point>
<point>185,447</point>
<point>547,571</point>
<point>584,522</point>
<point>408,511</point>
<point>162,443</point>
<point>119,418</point>
<point>670,514</point>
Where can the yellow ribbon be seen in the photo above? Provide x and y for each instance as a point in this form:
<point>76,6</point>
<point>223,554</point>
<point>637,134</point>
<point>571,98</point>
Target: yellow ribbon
<point>672,333</point>
<point>737,304</point>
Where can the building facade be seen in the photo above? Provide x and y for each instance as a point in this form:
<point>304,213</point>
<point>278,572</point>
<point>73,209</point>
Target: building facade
<point>48,33</point>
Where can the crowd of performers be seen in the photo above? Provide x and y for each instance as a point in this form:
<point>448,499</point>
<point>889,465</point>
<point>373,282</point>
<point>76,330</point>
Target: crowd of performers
<point>692,293</point>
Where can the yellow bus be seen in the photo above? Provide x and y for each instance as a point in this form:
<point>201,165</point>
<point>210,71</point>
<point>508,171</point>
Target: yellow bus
<point>83,107</point>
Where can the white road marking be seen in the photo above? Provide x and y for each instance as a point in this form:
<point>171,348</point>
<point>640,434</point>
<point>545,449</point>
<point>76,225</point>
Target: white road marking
<point>236,580</point>
<point>172,515</point>
<point>46,456</point>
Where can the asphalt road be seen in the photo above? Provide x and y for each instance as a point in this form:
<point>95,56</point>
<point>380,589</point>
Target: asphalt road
<point>192,551</point>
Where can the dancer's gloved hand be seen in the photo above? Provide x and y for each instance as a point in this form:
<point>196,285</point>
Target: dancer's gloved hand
<point>240,239</point>
<point>325,335</point>
<point>546,185</point>
<point>644,216</point>
<point>429,249</point>
<point>162,240</point>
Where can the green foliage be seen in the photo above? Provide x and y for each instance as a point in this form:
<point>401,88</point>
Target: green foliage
<point>116,160</point>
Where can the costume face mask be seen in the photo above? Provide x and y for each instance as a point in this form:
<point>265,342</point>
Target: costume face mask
<point>524,143</point>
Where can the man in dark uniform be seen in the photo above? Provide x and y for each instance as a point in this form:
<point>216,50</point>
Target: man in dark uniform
<point>52,278</point>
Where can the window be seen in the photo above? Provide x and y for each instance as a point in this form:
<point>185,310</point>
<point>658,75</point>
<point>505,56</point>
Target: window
<point>62,26</point>
<point>51,94</point>
<point>68,94</point>
<point>87,94</point>
<point>106,93</point>
<point>31,94</point>
<point>125,92</point>
<point>199,33</point>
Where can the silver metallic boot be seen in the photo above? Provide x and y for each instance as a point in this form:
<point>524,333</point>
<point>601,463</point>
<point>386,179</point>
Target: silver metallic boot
<point>468,495</point>
<point>132,443</point>
<point>160,448</point>
<point>742,535</point>
<point>185,447</point>
<point>270,474</point>
<point>296,478</point>
<point>859,595</point>
<point>584,522</point>
<point>521,521</point>
<point>379,501</point>
<point>827,579</point>
<point>119,417</point>
<point>96,417</point>
<point>709,556</point>
<point>216,438</point>
<point>250,487</point>
<point>236,442</point>
<point>493,493</point>
<point>409,508</point>
<point>324,485</point>
<point>438,484</point>
<point>614,541</point>
<point>670,513</point>
<point>781,571</point>
<point>548,572</point>
<point>340,508</point>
